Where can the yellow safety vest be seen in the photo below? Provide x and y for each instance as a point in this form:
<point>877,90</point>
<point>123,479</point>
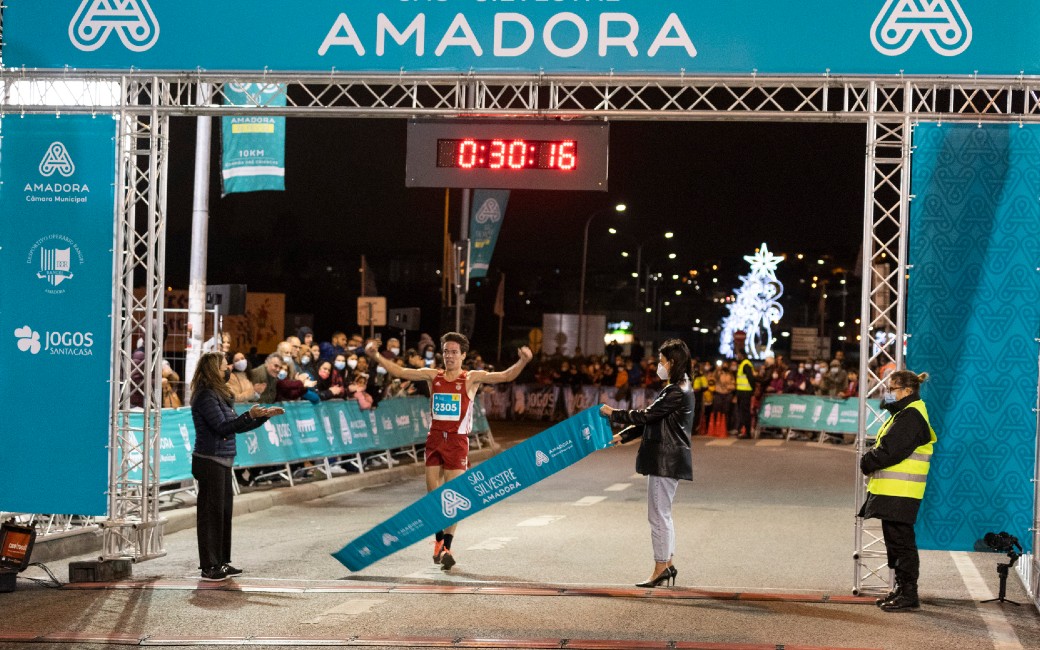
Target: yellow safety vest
<point>742,380</point>
<point>908,477</point>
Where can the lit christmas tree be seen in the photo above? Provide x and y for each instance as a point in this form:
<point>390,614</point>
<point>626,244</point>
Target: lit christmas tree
<point>755,309</point>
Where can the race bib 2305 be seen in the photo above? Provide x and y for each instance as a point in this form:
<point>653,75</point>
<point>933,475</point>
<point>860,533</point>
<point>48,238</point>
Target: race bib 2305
<point>447,406</point>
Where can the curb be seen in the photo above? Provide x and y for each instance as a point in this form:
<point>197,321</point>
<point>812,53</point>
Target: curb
<point>89,541</point>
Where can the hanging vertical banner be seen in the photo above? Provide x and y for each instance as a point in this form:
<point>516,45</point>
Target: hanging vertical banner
<point>974,245</point>
<point>489,209</point>
<point>253,146</point>
<point>492,481</point>
<point>57,207</point>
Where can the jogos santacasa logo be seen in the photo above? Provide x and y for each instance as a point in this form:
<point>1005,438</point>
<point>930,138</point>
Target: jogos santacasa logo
<point>132,20</point>
<point>72,344</point>
<point>942,22</point>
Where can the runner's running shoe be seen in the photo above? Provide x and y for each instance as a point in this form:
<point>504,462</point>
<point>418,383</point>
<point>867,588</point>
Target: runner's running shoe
<point>447,559</point>
<point>438,551</point>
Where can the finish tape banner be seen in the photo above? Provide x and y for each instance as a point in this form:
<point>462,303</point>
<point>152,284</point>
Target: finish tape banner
<point>492,481</point>
<point>253,146</point>
<point>691,37</point>
<point>57,223</point>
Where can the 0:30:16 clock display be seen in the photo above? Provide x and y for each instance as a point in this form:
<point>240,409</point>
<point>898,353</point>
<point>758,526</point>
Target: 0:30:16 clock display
<point>470,153</point>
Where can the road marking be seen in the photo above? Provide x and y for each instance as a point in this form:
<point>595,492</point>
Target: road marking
<point>768,443</point>
<point>544,520</point>
<point>491,544</point>
<point>342,612</point>
<point>1003,635</point>
<point>588,501</point>
<point>722,442</point>
<point>637,476</point>
<point>618,487</point>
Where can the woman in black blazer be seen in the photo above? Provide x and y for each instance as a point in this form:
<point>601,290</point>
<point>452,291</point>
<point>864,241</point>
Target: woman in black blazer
<point>664,428</point>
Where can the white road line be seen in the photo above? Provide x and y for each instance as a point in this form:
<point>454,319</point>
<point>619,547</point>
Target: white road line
<point>588,501</point>
<point>722,442</point>
<point>1003,635</point>
<point>491,544</point>
<point>768,443</point>
<point>543,520</point>
<point>618,487</point>
<point>637,476</point>
<point>342,612</point>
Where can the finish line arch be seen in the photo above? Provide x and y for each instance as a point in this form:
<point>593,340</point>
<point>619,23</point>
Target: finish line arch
<point>888,104</point>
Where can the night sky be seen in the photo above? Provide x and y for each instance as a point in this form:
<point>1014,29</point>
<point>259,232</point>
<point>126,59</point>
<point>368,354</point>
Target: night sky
<point>722,187</point>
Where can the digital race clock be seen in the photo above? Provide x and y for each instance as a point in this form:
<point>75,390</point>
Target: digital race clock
<point>507,154</point>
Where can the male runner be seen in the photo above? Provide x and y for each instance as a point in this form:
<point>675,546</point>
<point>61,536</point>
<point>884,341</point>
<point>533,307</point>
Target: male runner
<point>452,392</point>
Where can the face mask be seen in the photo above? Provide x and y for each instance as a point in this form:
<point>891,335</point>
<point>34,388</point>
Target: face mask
<point>429,354</point>
<point>240,365</point>
<point>340,365</point>
<point>352,363</point>
<point>324,374</point>
<point>834,370</point>
<point>662,372</point>
<point>286,358</point>
<point>227,375</point>
<point>305,360</point>
<point>395,351</point>
<point>889,397</point>
<point>282,374</point>
<point>380,370</point>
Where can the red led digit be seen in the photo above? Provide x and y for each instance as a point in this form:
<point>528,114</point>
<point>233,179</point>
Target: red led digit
<point>498,154</point>
<point>517,154</point>
<point>468,154</point>
<point>552,155</point>
<point>568,159</point>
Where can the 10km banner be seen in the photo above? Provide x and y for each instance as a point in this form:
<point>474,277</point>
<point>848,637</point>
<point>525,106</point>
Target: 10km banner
<point>57,216</point>
<point>691,37</point>
<point>492,481</point>
<point>253,146</point>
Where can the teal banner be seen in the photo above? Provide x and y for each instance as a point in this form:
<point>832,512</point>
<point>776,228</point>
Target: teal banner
<point>675,37</point>
<point>57,216</point>
<point>253,146</point>
<point>973,287</point>
<point>492,481</point>
<point>305,431</point>
<point>811,413</point>
<point>489,209</point>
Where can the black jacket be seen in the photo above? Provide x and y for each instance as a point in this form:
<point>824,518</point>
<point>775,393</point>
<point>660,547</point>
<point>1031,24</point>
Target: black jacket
<point>216,424</point>
<point>908,432</point>
<point>666,427</point>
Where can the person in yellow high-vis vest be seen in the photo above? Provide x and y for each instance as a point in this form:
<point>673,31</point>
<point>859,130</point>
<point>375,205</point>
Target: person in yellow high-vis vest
<point>898,469</point>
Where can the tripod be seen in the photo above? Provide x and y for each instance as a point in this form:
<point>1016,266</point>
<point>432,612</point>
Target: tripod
<point>1002,571</point>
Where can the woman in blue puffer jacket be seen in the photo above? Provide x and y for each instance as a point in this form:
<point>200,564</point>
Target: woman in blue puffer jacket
<point>216,424</point>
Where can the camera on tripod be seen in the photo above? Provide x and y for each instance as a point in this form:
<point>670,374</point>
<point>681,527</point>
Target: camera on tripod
<point>1003,542</point>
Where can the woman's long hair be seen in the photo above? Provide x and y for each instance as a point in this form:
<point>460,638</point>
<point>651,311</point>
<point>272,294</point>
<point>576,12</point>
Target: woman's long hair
<point>209,377</point>
<point>679,356</point>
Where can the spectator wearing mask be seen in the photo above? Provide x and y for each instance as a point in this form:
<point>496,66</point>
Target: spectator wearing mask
<point>429,355</point>
<point>285,351</point>
<point>795,382</point>
<point>269,374</point>
<point>356,390</point>
<point>775,383</point>
<point>329,385</point>
<point>308,364</point>
<point>853,388</point>
<point>835,381</point>
<point>393,349</point>
<point>242,387</point>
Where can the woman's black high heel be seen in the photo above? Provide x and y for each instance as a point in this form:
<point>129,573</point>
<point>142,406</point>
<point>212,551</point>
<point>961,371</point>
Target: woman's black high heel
<point>666,576</point>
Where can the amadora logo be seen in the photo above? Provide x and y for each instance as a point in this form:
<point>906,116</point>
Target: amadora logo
<point>943,23</point>
<point>452,502</point>
<point>540,458</point>
<point>75,344</point>
<point>95,20</point>
<point>57,159</point>
<point>489,211</point>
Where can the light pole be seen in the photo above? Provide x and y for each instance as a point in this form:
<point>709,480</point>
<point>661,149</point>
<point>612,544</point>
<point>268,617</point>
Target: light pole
<point>620,207</point>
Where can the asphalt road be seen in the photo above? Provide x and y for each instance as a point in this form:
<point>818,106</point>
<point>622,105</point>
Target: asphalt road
<point>760,517</point>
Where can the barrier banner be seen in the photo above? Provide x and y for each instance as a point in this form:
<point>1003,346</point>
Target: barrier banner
<point>812,413</point>
<point>497,401</point>
<point>974,245</point>
<point>489,209</point>
<point>57,220</point>
<point>253,146</point>
<point>492,481</point>
<point>535,402</point>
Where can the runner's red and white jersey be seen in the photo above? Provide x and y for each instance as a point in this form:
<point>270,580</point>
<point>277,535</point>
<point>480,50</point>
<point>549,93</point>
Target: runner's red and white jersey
<point>450,403</point>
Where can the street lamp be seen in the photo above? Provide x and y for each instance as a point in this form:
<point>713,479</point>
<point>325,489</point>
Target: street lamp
<point>620,207</point>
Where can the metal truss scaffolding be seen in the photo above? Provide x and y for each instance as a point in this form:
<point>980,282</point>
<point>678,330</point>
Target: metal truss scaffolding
<point>888,106</point>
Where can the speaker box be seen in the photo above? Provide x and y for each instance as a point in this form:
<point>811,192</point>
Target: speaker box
<point>229,299</point>
<point>403,319</point>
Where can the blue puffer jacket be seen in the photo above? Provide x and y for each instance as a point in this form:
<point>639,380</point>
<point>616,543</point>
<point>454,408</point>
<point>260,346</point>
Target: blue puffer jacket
<point>216,424</point>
